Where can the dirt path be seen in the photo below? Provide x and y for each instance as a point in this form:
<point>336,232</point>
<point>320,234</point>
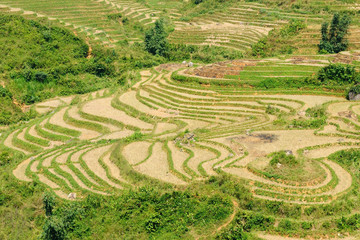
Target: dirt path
<point>345,179</point>
<point>224,225</point>
<point>277,237</point>
<point>83,172</point>
<point>74,113</point>
<point>47,181</point>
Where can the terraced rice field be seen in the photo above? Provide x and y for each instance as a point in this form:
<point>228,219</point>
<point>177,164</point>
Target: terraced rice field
<point>236,28</point>
<point>94,19</point>
<point>175,133</point>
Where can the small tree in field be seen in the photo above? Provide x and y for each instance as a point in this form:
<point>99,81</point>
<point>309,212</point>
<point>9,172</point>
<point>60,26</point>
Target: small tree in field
<point>49,203</point>
<point>53,229</point>
<point>155,39</point>
<point>333,39</point>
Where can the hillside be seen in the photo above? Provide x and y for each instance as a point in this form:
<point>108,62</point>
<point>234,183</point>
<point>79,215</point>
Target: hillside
<point>237,127</point>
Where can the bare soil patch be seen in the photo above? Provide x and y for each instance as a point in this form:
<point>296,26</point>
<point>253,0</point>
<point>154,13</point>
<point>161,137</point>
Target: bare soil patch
<point>178,158</point>
<point>200,155</point>
<point>19,171</point>
<point>163,127</point>
<point>136,152</point>
<point>102,107</point>
<point>91,159</point>
<point>57,119</point>
<point>260,144</point>
<point>47,181</point>
<point>157,166</point>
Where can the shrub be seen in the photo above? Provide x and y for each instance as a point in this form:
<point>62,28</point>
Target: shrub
<point>155,39</point>
<point>316,112</point>
<point>4,92</point>
<point>338,74</point>
<point>333,39</point>
<point>293,28</point>
<point>53,229</point>
<point>283,158</point>
<point>49,203</point>
<point>260,48</point>
<point>286,225</point>
<point>5,158</point>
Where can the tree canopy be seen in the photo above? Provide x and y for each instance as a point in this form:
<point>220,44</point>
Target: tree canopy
<point>333,39</point>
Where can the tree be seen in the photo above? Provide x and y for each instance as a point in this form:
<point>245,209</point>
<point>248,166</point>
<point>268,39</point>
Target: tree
<point>49,203</point>
<point>333,39</point>
<point>156,39</point>
<point>53,229</point>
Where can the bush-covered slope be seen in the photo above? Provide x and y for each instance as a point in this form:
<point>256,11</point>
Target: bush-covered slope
<point>39,62</point>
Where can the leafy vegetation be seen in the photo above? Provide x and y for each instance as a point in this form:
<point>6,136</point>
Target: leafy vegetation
<point>333,39</point>
<point>338,74</point>
<point>276,41</point>
<point>155,39</point>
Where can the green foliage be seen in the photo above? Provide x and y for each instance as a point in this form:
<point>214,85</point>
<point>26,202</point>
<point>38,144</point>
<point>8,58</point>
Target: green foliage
<point>312,123</point>
<point>197,1</point>
<point>5,158</point>
<point>49,203</point>
<point>156,39</point>
<point>283,158</point>
<point>349,223</point>
<point>338,74</point>
<point>206,54</point>
<point>260,49</point>
<point>287,226</point>
<point>245,223</point>
<point>316,112</point>
<point>4,92</point>
<point>272,110</point>
<point>347,157</point>
<point>136,136</point>
<point>235,232</point>
<point>333,39</point>
<point>144,213</point>
<point>53,229</point>
<point>292,29</point>
<point>267,45</point>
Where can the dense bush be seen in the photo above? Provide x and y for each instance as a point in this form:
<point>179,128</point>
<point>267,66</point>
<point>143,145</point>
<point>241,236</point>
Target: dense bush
<point>347,157</point>
<point>4,92</point>
<point>156,39</point>
<point>316,112</point>
<point>333,39</point>
<point>282,158</point>
<point>40,62</point>
<point>338,74</point>
<point>243,224</point>
<point>144,213</point>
